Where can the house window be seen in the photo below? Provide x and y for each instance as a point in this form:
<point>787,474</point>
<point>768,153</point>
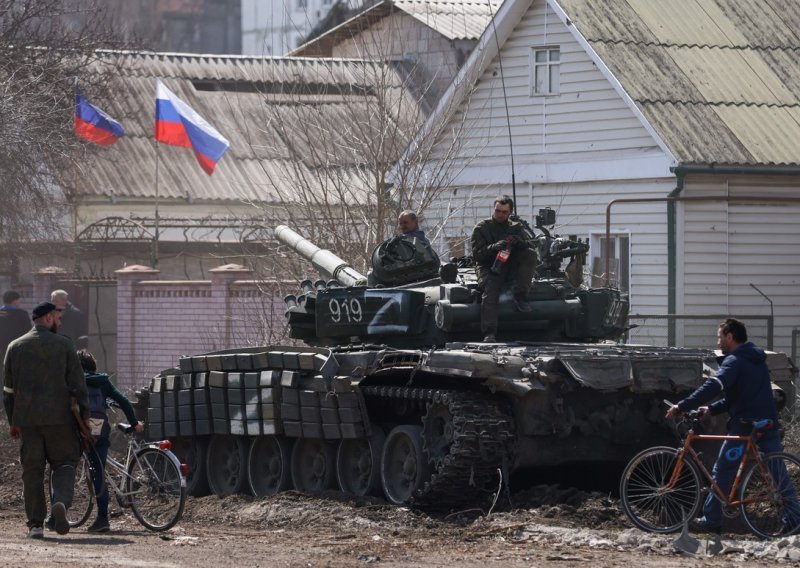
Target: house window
<point>545,70</point>
<point>618,249</point>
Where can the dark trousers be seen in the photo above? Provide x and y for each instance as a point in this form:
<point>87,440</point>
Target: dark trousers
<point>518,270</point>
<point>60,447</point>
<point>97,459</point>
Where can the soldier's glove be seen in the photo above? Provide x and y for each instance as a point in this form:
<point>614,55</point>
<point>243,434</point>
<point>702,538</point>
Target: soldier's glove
<point>499,245</point>
<point>514,241</point>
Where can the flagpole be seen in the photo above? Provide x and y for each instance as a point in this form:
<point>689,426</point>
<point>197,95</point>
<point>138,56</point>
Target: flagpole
<point>154,253</point>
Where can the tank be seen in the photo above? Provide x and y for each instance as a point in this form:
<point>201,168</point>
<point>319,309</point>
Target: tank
<point>394,393</point>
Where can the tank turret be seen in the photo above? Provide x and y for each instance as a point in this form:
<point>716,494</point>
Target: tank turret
<point>413,300</point>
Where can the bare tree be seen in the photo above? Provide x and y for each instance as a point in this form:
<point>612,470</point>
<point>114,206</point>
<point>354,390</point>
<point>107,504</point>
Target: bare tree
<point>336,133</point>
<point>44,46</point>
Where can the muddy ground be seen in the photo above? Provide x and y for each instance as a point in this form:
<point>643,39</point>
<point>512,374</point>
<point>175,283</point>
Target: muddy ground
<point>544,525</point>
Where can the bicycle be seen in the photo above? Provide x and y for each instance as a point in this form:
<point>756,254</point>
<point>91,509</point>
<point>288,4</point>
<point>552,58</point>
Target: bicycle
<point>151,481</point>
<point>661,487</point>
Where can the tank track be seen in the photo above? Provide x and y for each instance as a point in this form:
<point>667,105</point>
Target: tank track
<point>483,442</point>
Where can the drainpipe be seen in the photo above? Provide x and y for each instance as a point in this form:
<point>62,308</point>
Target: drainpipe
<point>672,262</point>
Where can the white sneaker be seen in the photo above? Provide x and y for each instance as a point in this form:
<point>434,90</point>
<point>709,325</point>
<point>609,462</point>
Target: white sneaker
<point>36,532</point>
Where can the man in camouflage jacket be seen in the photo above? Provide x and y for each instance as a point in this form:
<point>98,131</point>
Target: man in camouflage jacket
<point>40,373</point>
<point>489,237</point>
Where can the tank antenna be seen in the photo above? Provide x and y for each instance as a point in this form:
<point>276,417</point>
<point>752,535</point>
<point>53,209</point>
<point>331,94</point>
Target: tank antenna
<point>505,101</point>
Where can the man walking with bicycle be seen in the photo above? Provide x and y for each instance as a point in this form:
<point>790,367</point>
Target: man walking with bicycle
<point>744,382</point>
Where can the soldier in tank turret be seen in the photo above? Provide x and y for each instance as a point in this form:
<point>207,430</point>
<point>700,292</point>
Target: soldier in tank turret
<point>504,251</point>
<point>408,225</point>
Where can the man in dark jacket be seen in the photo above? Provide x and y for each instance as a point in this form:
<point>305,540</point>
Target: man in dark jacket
<point>40,374</point>
<point>14,321</point>
<point>489,237</point>
<point>743,380</point>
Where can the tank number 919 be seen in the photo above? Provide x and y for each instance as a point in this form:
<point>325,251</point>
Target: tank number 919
<point>348,311</point>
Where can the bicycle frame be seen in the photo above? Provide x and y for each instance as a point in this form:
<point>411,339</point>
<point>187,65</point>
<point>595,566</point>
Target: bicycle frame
<point>116,472</point>
<point>751,453</point>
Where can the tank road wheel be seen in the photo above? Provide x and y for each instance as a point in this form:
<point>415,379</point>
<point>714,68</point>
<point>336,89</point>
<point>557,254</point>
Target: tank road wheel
<point>226,464</point>
<point>192,452</point>
<point>404,467</point>
<point>313,465</point>
<point>268,465</point>
<point>358,464</point>
<point>437,433</point>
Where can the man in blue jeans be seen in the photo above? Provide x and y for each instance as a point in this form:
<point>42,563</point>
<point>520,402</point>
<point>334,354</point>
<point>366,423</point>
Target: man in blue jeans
<point>744,382</point>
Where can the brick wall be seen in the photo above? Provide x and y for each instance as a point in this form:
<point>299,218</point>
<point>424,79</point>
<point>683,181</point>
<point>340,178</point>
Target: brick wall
<point>158,321</point>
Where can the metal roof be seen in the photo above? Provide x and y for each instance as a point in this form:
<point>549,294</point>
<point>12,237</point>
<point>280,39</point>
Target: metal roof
<point>453,19</point>
<point>719,80</point>
<point>271,111</point>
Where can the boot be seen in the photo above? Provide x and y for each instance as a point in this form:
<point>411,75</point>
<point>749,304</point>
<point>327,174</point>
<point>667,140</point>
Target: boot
<point>100,525</point>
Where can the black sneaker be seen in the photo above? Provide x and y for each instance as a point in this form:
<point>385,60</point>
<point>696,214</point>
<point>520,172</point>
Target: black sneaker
<point>59,514</point>
<point>490,338</point>
<point>100,525</point>
<point>50,523</point>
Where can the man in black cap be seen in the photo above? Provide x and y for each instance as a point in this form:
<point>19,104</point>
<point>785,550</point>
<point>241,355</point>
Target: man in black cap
<point>14,320</point>
<point>40,374</point>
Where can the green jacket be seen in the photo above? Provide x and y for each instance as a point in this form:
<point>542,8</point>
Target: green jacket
<point>40,373</point>
<point>488,234</point>
<point>102,382</point>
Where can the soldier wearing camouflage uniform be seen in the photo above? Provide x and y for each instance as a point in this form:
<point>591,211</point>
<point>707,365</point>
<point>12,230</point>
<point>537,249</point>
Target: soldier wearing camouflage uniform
<point>41,373</point>
<point>489,237</point>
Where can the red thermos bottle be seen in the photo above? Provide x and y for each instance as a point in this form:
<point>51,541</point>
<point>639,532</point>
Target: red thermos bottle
<point>500,260</point>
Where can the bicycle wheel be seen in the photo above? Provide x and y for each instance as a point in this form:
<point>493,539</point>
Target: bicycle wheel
<point>646,499</point>
<point>770,505</point>
<point>83,493</point>
<point>157,489</point>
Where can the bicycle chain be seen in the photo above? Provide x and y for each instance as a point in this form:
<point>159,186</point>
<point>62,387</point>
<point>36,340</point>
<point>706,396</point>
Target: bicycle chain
<point>483,441</point>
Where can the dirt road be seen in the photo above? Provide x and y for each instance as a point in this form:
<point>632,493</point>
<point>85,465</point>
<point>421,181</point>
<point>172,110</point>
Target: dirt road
<point>543,526</point>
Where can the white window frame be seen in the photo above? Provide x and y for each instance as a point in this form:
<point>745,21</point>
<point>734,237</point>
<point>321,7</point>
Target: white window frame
<point>596,251</point>
<point>545,62</point>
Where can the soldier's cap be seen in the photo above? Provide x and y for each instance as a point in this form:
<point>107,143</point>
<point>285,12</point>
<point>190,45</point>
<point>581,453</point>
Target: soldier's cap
<point>43,309</point>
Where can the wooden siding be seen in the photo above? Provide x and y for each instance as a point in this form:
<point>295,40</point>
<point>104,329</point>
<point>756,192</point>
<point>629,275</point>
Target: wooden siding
<point>580,210</point>
<point>586,120</point>
<point>726,247</point>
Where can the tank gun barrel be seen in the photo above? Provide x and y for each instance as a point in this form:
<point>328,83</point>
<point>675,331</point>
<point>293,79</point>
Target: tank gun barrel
<point>322,259</point>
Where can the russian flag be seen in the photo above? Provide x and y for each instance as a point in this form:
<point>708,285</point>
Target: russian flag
<point>93,125</point>
<point>177,124</point>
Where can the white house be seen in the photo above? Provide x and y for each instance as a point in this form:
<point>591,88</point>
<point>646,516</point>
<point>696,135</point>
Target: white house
<point>617,106</point>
